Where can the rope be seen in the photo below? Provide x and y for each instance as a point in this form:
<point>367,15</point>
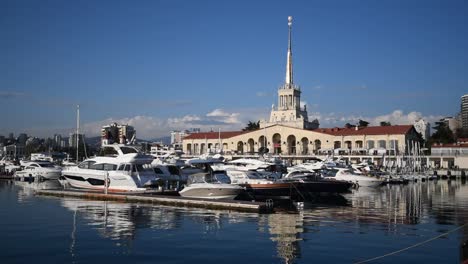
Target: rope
<point>413,246</point>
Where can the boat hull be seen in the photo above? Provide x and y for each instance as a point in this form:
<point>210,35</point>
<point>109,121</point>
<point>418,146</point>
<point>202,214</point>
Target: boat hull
<point>211,191</point>
<point>117,183</point>
<point>295,189</point>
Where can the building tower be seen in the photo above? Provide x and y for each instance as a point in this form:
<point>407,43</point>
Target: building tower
<point>288,111</point>
<point>464,112</point>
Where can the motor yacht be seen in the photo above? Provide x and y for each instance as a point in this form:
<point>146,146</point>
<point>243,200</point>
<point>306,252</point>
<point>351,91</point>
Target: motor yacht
<point>361,180</point>
<point>258,187</point>
<point>42,170</point>
<point>210,185</point>
<point>311,183</point>
<point>123,167</point>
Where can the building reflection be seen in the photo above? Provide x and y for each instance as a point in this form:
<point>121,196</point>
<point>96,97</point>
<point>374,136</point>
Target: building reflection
<point>285,231</point>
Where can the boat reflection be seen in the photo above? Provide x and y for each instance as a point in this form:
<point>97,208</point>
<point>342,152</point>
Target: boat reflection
<point>28,188</point>
<point>389,209</point>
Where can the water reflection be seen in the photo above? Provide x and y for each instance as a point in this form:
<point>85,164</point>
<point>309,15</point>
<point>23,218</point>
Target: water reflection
<point>286,230</point>
<point>28,188</point>
<point>391,209</point>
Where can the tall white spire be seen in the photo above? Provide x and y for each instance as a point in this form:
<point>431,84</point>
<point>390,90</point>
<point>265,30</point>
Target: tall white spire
<point>289,66</point>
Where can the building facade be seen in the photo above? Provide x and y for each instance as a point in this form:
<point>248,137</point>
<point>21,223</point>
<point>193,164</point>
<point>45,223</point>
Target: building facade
<point>72,140</point>
<point>464,112</point>
<point>288,132</point>
<point>452,123</point>
<point>115,133</point>
<point>284,140</point>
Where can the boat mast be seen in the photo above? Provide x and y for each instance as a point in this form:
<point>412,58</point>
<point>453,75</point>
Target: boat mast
<point>77,131</point>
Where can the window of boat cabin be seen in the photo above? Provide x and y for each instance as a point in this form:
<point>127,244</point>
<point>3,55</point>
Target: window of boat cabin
<point>108,151</point>
<point>34,165</point>
<point>127,150</point>
<point>173,170</point>
<point>158,171</point>
<point>47,165</point>
<point>86,164</point>
<point>110,167</point>
<point>139,167</point>
<point>99,166</point>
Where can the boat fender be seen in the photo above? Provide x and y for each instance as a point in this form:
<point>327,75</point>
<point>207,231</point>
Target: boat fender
<point>108,182</point>
<point>356,185</point>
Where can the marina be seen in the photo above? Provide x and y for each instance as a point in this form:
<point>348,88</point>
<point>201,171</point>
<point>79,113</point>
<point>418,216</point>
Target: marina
<point>416,222</point>
<point>187,132</point>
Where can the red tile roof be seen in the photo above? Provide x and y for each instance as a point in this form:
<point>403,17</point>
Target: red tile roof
<point>215,135</point>
<point>375,130</point>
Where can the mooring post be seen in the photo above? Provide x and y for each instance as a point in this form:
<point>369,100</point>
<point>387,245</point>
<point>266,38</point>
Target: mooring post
<point>106,182</point>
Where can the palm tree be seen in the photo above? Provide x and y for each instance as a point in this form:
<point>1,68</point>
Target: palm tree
<point>252,126</point>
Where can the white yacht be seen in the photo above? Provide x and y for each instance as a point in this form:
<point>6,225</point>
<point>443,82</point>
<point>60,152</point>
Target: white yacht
<point>267,169</point>
<point>214,185</point>
<point>361,180</point>
<point>42,170</point>
<point>124,168</point>
<point>309,166</point>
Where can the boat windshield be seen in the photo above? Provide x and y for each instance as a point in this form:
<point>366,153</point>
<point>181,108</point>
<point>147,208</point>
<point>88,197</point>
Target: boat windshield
<point>127,150</point>
<point>254,175</point>
<point>329,173</point>
<point>221,178</point>
<point>142,168</point>
<point>46,165</point>
<point>208,178</point>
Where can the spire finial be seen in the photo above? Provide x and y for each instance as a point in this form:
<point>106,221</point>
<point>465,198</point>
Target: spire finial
<point>289,69</point>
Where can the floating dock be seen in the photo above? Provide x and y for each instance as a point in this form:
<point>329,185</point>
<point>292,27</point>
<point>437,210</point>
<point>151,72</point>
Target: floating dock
<point>243,206</point>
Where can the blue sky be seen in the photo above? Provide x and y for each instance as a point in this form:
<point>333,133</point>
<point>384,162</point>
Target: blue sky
<point>163,65</point>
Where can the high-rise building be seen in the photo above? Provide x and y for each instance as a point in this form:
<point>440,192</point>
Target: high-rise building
<point>115,133</point>
<point>22,139</point>
<point>72,140</point>
<point>452,123</point>
<point>58,140</point>
<point>464,111</point>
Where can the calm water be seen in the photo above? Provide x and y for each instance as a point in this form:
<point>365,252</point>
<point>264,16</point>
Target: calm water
<point>370,223</point>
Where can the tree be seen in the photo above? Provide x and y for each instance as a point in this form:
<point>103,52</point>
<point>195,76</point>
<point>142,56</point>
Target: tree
<point>348,125</point>
<point>443,134</point>
<point>252,126</point>
<point>363,123</point>
<point>384,123</point>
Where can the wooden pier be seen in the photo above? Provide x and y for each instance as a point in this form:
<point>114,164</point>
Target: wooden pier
<point>243,206</point>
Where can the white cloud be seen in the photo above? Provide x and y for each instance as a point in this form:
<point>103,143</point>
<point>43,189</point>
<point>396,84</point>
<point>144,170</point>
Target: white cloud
<point>148,127</point>
<point>397,117</point>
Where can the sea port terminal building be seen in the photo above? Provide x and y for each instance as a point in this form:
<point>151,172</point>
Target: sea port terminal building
<point>288,132</point>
